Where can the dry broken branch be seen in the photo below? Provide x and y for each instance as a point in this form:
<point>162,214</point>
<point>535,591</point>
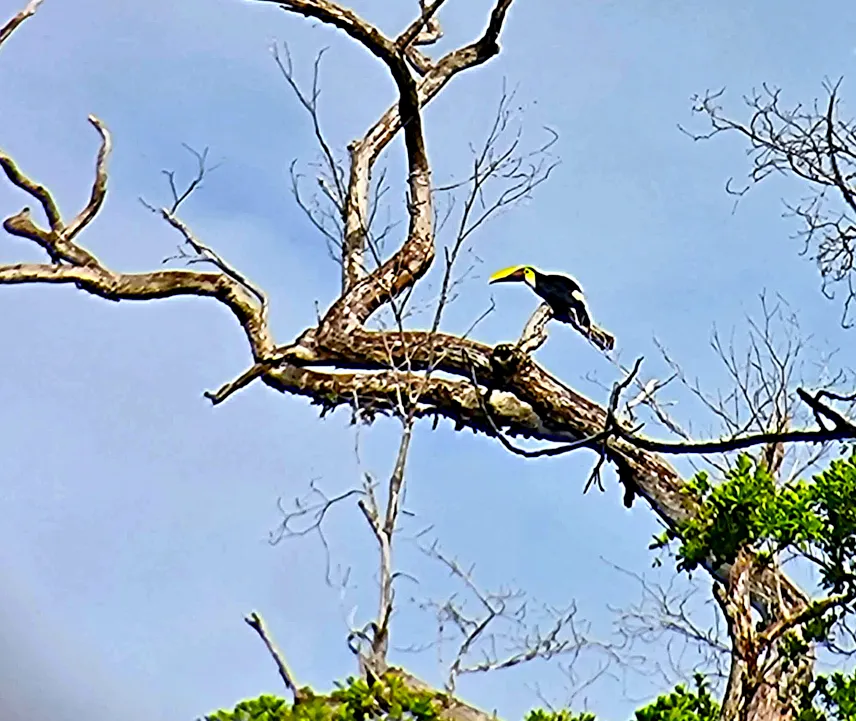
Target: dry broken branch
<point>384,525</point>
<point>534,333</point>
<point>255,621</point>
<point>13,24</point>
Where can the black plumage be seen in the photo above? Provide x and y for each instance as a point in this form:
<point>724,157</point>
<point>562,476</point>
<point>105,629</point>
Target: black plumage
<point>564,296</point>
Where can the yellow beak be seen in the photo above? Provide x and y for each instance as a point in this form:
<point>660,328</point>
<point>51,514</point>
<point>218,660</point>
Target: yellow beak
<point>509,275</point>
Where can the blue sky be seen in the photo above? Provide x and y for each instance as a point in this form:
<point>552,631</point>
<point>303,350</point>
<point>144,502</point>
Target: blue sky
<point>136,516</point>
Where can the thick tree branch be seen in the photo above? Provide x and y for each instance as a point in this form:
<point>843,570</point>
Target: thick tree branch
<point>420,235</point>
<point>426,18</point>
<point>534,333</point>
<point>734,599</point>
<point>39,192</point>
<point>414,258</point>
<point>99,187</point>
<point>150,286</point>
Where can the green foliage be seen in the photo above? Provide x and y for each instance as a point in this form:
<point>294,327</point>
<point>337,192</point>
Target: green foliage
<point>561,715</point>
<point>733,514</point>
<point>388,698</point>
<point>833,496</point>
<point>391,700</point>
<point>263,708</point>
<point>830,698</point>
<point>682,704</point>
<point>748,510</point>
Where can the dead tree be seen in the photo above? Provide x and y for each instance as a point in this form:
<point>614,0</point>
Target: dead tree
<point>415,374</point>
<point>814,145</point>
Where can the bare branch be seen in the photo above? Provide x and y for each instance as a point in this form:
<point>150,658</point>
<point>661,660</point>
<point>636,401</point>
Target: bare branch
<point>16,20</point>
<point>478,633</point>
<point>842,433</point>
<point>255,621</point>
<point>761,395</point>
<point>39,192</point>
<point>99,187</point>
<point>664,615</point>
<point>414,258</point>
<point>763,398</point>
<point>310,104</point>
<point>425,22</point>
<point>534,334</point>
<point>209,255</point>
<point>85,271</point>
<point>814,145</point>
<point>308,516</point>
<point>356,211</point>
<point>384,530</point>
<point>835,396</point>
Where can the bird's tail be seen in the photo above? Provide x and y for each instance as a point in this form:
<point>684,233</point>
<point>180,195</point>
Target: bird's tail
<point>601,338</point>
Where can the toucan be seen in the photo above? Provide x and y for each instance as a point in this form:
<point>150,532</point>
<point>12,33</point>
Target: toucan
<point>562,293</point>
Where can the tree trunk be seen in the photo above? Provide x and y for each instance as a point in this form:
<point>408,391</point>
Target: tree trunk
<point>764,684</point>
<point>772,694</point>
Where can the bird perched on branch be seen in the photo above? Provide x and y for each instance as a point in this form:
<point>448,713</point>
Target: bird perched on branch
<point>564,296</point>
